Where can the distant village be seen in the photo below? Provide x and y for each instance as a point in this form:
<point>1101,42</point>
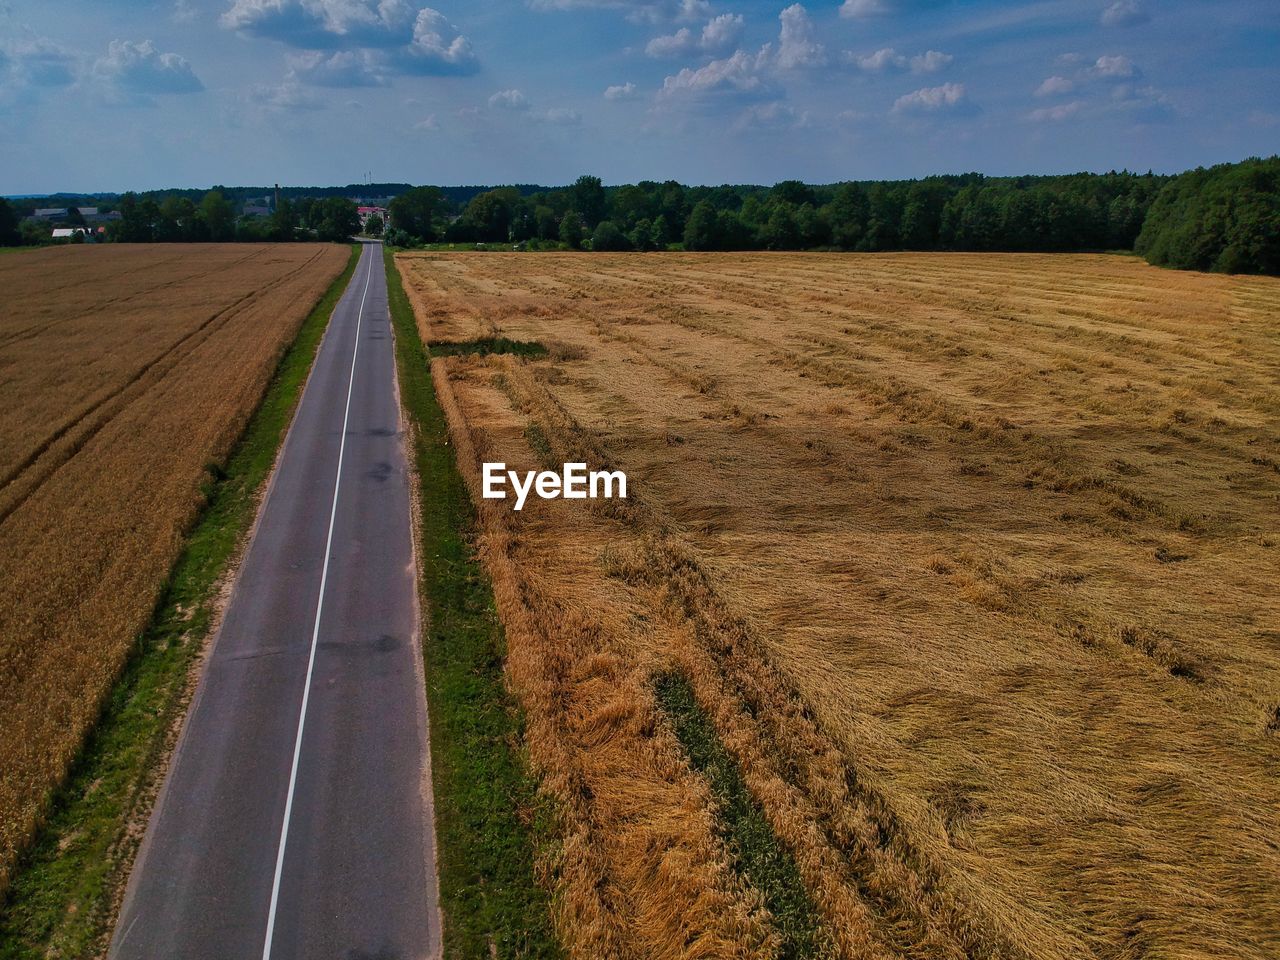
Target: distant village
<point>89,224</point>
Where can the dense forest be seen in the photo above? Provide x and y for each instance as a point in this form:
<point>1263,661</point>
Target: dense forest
<point>968,212</point>
<point>1226,218</point>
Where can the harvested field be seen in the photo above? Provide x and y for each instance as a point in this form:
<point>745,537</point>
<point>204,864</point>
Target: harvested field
<point>126,374</point>
<point>971,560</point>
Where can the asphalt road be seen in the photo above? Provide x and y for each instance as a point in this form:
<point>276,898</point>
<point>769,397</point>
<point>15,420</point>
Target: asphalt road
<point>295,821</point>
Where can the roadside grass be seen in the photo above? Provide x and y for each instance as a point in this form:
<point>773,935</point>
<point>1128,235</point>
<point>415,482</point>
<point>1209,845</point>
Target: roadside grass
<point>757,854</point>
<point>489,819</point>
<point>65,889</point>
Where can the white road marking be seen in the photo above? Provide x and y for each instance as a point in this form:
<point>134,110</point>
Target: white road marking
<point>315,632</point>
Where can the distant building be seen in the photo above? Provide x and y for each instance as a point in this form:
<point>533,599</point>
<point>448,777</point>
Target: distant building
<point>367,212</point>
<point>66,233</point>
<point>258,207</point>
<point>62,214</point>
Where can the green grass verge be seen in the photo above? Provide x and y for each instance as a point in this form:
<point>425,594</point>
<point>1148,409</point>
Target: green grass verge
<point>758,855</point>
<point>60,902</point>
<point>489,820</point>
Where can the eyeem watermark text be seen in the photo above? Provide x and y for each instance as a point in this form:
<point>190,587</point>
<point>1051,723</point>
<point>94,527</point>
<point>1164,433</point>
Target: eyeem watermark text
<point>573,483</point>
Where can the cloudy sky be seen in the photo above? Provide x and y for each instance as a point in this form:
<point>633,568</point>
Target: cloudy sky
<point>138,94</point>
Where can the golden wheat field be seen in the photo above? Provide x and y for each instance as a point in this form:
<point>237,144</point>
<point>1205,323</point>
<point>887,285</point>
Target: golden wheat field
<point>124,372</point>
<point>971,559</point>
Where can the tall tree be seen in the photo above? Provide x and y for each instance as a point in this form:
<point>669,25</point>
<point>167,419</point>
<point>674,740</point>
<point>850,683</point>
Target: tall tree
<point>571,230</point>
<point>489,214</point>
<point>284,221</point>
<point>607,237</point>
<point>137,219</point>
<point>340,220</point>
<point>701,232</point>
<point>1226,218</point>
<point>414,212</point>
<point>218,216</point>
<point>587,199</point>
<point>9,235</point>
<point>545,223</point>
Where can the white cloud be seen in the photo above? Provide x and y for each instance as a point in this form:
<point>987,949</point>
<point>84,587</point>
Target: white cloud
<point>883,59</point>
<point>427,123</point>
<point>38,62</point>
<point>1125,13</point>
<point>678,44</point>
<point>796,45</point>
<point>640,11</point>
<point>318,24</point>
<point>400,36</point>
<point>752,75</point>
<point>932,99</point>
<point>183,11</point>
<point>859,9</point>
<point>288,97</point>
<point>141,68</point>
<point>514,101</point>
<point>437,46</point>
<point>774,115</point>
<point>738,74</point>
<point>863,8</point>
<point>1060,112</point>
<point>1114,67</point>
<point>558,116</point>
<point>720,35</point>
<point>1142,104</point>
<point>620,91</point>
<point>509,100</point>
<point>344,68</point>
<point>1054,86</point>
<point>887,58</point>
<point>931,61</point>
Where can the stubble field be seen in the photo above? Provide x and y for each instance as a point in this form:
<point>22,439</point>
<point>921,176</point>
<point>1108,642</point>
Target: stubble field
<point>969,560</point>
<point>125,373</point>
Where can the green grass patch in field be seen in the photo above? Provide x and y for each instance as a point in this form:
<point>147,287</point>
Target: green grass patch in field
<point>489,819</point>
<point>60,902</point>
<point>540,445</point>
<point>487,345</point>
<point>759,857</point>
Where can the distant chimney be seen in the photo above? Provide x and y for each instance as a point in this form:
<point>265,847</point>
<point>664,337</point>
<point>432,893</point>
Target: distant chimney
<point>277,206</point>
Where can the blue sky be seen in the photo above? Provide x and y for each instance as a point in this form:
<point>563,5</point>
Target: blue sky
<point>139,94</point>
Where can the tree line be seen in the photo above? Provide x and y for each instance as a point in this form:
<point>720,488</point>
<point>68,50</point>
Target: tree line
<point>967,212</point>
<point>178,218</point>
<point>1225,218</point>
